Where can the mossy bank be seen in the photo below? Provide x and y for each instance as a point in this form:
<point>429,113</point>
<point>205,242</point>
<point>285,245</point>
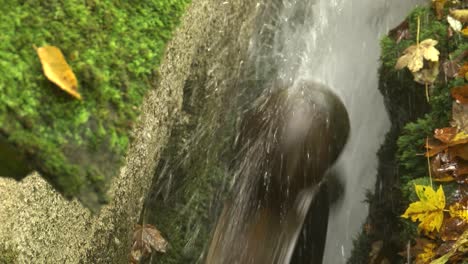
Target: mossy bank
<point>402,162</point>
<point>114,49</point>
<point>39,224</point>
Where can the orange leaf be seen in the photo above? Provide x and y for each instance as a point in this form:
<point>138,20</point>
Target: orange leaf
<point>57,70</point>
<point>464,31</point>
<point>445,134</point>
<point>463,71</point>
<point>460,94</point>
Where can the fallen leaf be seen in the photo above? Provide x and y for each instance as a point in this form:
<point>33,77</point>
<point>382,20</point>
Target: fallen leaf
<point>400,32</point>
<point>428,210</point>
<point>438,6</point>
<point>459,210</point>
<point>454,24</point>
<point>57,70</point>
<point>445,134</point>
<point>463,71</point>
<point>460,94</point>
<point>413,57</point>
<point>451,68</point>
<point>427,253</point>
<point>464,31</point>
<point>452,228</point>
<point>428,74</point>
<point>460,14</point>
<point>436,166</point>
<point>461,243</point>
<point>146,238</point>
<point>460,116</point>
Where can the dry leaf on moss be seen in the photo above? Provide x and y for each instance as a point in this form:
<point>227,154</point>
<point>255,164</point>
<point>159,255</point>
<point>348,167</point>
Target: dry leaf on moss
<point>454,24</point>
<point>428,210</point>
<point>459,210</point>
<point>413,57</point>
<point>427,253</point>
<point>146,238</point>
<point>463,71</point>
<point>460,94</point>
<point>460,14</point>
<point>57,70</point>
<point>438,6</point>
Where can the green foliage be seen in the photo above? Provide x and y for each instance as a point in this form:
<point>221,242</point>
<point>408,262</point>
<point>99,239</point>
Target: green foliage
<point>114,48</point>
<point>360,252</point>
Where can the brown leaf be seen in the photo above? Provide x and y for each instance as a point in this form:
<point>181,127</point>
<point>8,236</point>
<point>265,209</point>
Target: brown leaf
<point>438,6</point>
<point>452,228</point>
<point>428,74</point>
<point>460,94</point>
<point>451,68</point>
<point>57,70</point>
<point>400,32</point>
<point>437,173</point>
<point>145,238</point>
<point>463,71</point>
<point>445,134</point>
<point>460,116</point>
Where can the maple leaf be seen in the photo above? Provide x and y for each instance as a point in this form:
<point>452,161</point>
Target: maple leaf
<point>428,210</point>
<point>460,94</point>
<point>146,238</point>
<point>459,210</point>
<point>460,14</point>
<point>57,70</point>
<point>427,253</point>
<point>413,56</point>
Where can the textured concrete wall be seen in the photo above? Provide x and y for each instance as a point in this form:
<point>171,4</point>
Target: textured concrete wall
<point>38,225</point>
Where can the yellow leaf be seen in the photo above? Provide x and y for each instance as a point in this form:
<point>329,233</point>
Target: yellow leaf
<point>460,14</point>
<point>458,210</point>
<point>460,136</point>
<point>428,210</point>
<point>57,70</point>
<point>465,31</point>
<point>427,255</point>
<point>413,57</point>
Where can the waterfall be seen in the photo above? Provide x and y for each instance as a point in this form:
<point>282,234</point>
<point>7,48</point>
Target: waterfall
<point>336,42</point>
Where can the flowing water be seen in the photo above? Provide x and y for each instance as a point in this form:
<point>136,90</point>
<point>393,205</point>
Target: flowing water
<point>336,42</point>
<point>333,42</point>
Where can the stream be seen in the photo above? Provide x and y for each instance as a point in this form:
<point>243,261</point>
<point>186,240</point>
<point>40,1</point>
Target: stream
<point>336,42</point>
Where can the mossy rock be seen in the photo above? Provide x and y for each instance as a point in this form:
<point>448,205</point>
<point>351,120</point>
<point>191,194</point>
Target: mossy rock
<point>114,49</point>
<point>413,120</point>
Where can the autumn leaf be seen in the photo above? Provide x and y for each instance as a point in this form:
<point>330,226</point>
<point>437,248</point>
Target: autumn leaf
<point>452,228</point>
<point>146,238</point>
<point>400,32</point>
<point>427,254</point>
<point>438,6</point>
<point>413,57</point>
<point>57,70</point>
<point>460,14</point>
<point>454,24</point>
<point>463,71</point>
<point>461,243</point>
<point>428,210</point>
<point>459,210</point>
<point>460,94</point>
<point>464,31</point>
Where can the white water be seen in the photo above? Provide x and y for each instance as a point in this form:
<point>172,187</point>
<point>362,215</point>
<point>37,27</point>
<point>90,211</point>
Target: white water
<point>337,43</point>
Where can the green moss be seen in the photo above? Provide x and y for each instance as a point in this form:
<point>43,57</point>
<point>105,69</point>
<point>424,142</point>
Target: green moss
<point>402,160</point>
<point>114,49</point>
<point>7,256</point>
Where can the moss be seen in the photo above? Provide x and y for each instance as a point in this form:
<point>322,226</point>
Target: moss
<point>7,256</point>
<point>114,48</point>
<point>402,162</point>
